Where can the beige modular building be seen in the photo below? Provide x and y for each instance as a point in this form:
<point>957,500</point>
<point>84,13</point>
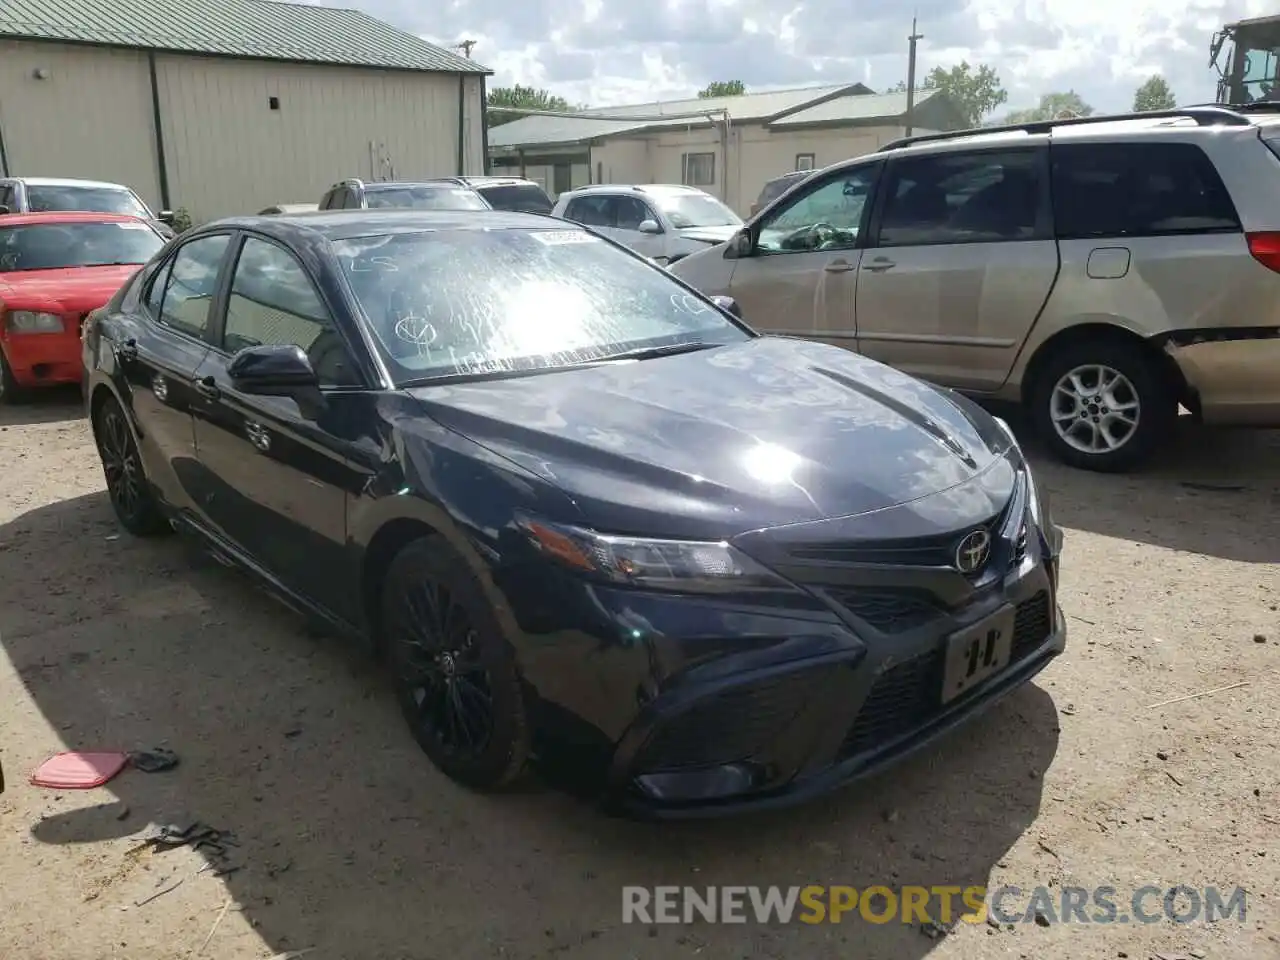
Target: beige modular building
<point>222,107</point>
<point>728,146</point>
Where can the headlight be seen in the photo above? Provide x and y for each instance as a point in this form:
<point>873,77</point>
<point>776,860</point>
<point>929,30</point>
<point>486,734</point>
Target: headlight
<point>678,565</point>
<point>1007,430</point>
<point>27,321</point>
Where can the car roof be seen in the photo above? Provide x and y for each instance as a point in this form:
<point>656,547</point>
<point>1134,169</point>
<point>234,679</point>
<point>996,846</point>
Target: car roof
<point>1205,120</point>
<point>397,184</point>
<point>68,182</point>
<point>490,181</point>
<point>349,224</point>
<point>66,216</point>
<point>635,187</point>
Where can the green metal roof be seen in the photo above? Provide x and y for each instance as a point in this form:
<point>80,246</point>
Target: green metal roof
<point>258,29</point>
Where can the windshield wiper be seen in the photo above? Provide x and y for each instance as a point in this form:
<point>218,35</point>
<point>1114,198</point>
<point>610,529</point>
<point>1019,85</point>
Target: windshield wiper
<point>641,353</point>
<point>666,350</point>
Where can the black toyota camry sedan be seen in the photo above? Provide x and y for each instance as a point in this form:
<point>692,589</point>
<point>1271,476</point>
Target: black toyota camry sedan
<point>583,511</point>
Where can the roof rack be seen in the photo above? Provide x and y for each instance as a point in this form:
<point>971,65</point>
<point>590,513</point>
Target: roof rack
<point>1214,115</point>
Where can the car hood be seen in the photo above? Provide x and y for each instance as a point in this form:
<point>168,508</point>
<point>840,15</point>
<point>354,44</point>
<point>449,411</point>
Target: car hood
<point>739,437</point>
<point>709,234</point>
<point>75,289</point>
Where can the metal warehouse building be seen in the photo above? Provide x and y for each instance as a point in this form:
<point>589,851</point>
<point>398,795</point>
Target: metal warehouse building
<point>228,106</point>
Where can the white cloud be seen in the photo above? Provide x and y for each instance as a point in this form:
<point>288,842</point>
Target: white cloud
<point>605,52</point>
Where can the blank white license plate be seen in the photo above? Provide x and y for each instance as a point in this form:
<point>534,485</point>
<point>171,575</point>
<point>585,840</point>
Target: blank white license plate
<point>978,652</point>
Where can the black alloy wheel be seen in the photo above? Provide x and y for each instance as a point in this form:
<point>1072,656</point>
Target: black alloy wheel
<point>455,675</point>
<point>131,497</point>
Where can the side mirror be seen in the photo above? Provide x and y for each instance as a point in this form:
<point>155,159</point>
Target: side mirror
<point>649,226</point>
<point>165,217</point>
<point>272,370</point>
<point>728,305</point>
<point>739,246</point>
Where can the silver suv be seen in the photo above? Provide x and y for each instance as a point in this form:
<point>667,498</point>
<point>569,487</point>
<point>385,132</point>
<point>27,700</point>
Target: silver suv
<point>1100,270</point>
<point>665,222</point>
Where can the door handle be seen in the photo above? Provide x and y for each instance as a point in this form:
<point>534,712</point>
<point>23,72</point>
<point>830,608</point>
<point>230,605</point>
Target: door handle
<point>257,435</point>
<point>207,388</point>
<point>838,266</point>
<point>879,265</point>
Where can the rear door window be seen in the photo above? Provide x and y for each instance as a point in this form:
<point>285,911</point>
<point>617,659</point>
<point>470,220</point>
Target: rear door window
<point>592,211</point>
<point>191,284</point>
<point>981,197</point>
<point>1138,190</point>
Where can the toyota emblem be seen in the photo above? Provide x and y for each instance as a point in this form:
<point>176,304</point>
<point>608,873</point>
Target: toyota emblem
<point>972,553</point>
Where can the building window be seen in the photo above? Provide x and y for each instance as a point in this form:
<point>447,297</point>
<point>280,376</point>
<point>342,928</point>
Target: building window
<point>804,161</point>
<point>699,169</point>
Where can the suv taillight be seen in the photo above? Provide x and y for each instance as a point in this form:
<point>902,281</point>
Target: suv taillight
<point>1265,248</point>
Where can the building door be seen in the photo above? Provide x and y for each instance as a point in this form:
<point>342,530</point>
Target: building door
<point>561,178</point>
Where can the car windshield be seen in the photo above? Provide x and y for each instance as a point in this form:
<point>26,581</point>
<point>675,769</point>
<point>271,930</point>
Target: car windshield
<point>42,246</point>
<point>42,198</point>
<point>521,197</point>
<point>485,302</point>
<point>426,197</point>
<point>686,210</point>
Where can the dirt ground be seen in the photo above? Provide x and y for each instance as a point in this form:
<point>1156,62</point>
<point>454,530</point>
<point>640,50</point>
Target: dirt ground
<point>352,847</point>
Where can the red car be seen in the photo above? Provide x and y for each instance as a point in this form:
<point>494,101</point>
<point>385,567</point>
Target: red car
<point>54,269</point>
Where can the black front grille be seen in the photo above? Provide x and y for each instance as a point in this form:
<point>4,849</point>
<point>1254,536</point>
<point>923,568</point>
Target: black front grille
<point>939,551</point>
<point>888,612</point>
<point>902,699</point>
<point>734,725</point>
<point>909,695</point>
<point>1032,625</point>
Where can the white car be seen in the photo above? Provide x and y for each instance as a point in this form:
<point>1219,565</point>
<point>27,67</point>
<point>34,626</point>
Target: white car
<point>664,222</point>
<point>41,194</point>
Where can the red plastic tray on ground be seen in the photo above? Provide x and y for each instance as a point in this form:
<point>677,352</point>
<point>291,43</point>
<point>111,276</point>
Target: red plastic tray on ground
<point>78,771</point>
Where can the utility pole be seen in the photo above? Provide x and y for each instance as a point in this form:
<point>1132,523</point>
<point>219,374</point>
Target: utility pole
<point>911,73</point>
<point>465,46</point>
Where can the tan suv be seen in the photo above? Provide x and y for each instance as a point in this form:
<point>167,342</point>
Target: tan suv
<point>1100,270</point>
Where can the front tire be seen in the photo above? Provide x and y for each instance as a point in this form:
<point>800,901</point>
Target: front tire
<point>132,500</point>
<point>1103,405</point>
<point>455,674</point>
<point>10,391</point>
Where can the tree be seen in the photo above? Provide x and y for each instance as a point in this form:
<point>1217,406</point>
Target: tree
<point>722,88</point>
<point>1154,94</point>
<point>523,98</point>
<point>976,91</point>
<point>1053,106</point>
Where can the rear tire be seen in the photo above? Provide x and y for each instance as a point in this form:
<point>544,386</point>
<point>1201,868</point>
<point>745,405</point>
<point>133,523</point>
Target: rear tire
<point>455,674</point>
<point>1104,405</point>
<point>130,491</point>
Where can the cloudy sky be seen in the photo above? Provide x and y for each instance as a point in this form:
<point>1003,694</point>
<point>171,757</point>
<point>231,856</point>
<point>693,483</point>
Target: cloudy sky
<point>602,52</point>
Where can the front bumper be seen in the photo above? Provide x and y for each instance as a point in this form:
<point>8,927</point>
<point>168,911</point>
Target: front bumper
<point>779,734</point>
<point>44,358</point>
<point>1236,380</point>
